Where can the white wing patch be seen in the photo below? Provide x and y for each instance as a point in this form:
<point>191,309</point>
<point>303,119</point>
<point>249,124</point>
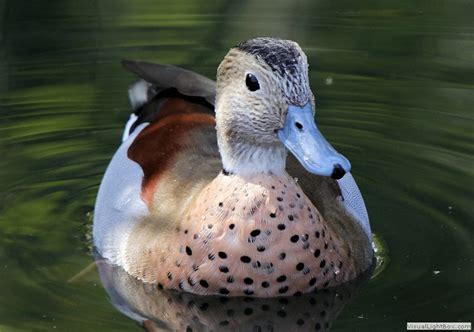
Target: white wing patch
<point>353,201</point>
<point>130,122</point>
<point>119,204</point>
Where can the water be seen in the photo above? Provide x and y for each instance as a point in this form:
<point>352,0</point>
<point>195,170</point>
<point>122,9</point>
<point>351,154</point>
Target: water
<point>394,86</point>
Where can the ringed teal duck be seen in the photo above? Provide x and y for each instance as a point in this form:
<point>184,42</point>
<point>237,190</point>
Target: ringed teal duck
<point>202,197</point>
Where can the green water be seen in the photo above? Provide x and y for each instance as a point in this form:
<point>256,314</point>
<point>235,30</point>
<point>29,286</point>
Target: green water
<point>394,83</point>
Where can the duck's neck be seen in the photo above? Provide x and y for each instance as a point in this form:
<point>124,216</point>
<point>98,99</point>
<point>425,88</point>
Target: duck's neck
<point>246,160</point>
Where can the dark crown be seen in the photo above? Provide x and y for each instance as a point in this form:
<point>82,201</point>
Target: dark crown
<point>281,55</point>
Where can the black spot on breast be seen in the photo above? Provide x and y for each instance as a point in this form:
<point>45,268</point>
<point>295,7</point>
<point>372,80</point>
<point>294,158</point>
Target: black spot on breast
<point>222,254</point>
<point>281,227</point>
<point>272,215</point>
<point>283,289</point>
<point>231,226</point>
<point>294,238</point>
<point>204,283</point>
<point>317,252</point>
<point>256,264</point>
<point>245,259</point>
<point>248,281</point>
<point>281,278</point>
<point>211,257</point>
<point>265,284</point>
<point>290,217</point>
<point>191,281</point>
<point>261,248</point>
<point>255,232</point>
<point>299,266</point>
<point>322,264</point>
<point>282,256</point>
<point>223,269</point>
<point>189,251</point>
<point>230,279</point>
<point>224,291</point>
<point>248,292</point>
<point>312,281</point>
<point>170,276</point>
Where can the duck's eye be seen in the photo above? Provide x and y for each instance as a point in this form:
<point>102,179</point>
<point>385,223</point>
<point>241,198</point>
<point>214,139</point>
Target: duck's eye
<point>252,82</point>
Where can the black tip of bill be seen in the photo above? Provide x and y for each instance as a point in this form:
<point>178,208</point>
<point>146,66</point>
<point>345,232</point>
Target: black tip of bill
<point>338,172</point>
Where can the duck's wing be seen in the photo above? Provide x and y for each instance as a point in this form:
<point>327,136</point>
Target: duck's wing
<point>169,143</point>
<point>353,201</point>
<point>167,76</point>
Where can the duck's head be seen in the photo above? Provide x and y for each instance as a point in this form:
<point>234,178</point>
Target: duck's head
<point>264,104</point>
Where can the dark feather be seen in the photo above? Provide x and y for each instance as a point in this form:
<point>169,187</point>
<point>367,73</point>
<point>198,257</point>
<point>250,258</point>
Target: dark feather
<point>168,76</point>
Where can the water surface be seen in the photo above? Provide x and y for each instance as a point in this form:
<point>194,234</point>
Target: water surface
<point>394,83</point>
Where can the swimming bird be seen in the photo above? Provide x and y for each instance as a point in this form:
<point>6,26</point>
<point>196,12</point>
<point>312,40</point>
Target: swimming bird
<point>229,188</point>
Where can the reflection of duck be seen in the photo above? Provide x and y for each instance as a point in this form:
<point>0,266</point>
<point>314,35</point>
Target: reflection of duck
<point>188,209</point>
<point>157,309</point>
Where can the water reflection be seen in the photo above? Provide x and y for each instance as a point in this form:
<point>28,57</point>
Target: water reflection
<point>157,309</point>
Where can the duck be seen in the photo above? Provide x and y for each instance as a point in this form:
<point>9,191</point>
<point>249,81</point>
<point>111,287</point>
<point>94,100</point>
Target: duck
<point>228,188</point>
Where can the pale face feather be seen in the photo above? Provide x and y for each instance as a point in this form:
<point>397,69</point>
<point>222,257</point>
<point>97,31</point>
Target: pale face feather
<point>247,121</point>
